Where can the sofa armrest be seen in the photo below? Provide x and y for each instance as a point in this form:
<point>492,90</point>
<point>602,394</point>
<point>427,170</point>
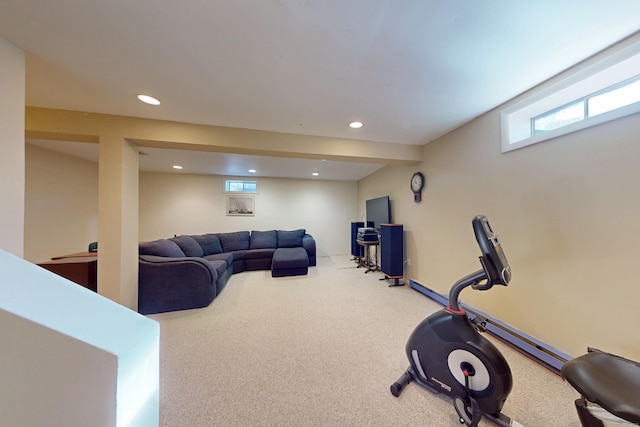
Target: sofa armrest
<point>169,284</point>
<point>309,244</point>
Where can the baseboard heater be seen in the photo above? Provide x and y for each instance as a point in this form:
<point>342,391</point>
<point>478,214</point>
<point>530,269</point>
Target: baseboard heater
<point>538,351</point>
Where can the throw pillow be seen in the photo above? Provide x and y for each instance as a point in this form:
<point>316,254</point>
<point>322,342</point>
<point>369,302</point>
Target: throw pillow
<point>188,245</point>
<point>236,241</point>
<point>210,243</point>
<point>290,239</point>
<point>162,247</point>
<point>264,239</point>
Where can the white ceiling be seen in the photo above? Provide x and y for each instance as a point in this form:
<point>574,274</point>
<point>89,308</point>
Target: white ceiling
<point>410,70</point>
<point>232,165</point>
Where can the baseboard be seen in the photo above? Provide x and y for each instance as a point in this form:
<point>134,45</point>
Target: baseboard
<point>542,353</point>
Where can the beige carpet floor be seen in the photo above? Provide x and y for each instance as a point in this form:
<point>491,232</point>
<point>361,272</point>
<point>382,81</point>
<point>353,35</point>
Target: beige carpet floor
<point>319,350</point>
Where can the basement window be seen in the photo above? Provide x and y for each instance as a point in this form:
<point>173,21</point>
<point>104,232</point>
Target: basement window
<point>598,93</point>
<point>240,186</point>
<point>604,101</point>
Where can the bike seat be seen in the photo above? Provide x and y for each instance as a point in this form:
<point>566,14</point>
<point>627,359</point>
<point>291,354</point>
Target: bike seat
<point>610,381</point>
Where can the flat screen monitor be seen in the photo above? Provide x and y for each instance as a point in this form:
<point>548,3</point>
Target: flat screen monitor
<point>379,211</point>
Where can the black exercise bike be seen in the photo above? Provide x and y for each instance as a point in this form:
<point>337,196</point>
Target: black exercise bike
<point>448,355</point>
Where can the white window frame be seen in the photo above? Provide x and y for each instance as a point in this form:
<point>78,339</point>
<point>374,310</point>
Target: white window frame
<point>227,180</point>
<point>592,77</point>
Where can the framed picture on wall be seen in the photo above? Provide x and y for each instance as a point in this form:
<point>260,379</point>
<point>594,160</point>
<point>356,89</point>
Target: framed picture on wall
<point>241,205</point>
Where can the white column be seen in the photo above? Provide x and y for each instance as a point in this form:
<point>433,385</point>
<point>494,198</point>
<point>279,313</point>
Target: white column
<point>12,105</point>
<point>118,221</point>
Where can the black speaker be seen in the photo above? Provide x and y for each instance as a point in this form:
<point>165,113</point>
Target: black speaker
<point>392,251</point>
<point>356,249</point>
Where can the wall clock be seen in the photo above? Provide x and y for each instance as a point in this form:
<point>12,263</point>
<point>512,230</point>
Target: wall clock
<point>417,184</point>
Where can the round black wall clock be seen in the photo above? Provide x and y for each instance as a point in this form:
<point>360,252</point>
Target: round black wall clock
<point>417,184</point>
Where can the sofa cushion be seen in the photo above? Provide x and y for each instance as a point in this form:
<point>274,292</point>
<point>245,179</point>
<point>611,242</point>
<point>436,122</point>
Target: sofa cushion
<point>236,241</point>
<point>264,239</point>
<point>188,245</point>
<point>259,253</point>
<point>161,247</point>
<point>210,243</point>
<point>220,266</point>
<point>226,257</point>
<point>290,239</point>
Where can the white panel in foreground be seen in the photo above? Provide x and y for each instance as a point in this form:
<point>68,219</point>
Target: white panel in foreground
<point>70,356</point>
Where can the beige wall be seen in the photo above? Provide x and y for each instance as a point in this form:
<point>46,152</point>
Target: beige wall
<point>567,211</point>
<point>12,122</point>
<point>61,204</point>
<point>173,204</point>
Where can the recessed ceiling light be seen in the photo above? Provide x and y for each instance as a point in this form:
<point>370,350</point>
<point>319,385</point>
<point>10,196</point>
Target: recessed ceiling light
<point>315,174</point>
<point>177,167</point>
<point>252,171</point>
<point>148,99</point>
<point>355,125</point>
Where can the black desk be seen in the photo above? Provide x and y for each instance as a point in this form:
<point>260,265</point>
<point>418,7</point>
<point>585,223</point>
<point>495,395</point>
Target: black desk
<point>82,269</point>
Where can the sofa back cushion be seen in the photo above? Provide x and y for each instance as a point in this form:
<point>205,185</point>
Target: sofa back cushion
<point>236,241</point>
<point>188,245</point>
<point>290,239</point>
<point>162,247</point>
<point>210,243</point>
<point>264,240</point>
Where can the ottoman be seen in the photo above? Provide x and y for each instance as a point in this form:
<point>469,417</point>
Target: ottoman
<point>289,262</point>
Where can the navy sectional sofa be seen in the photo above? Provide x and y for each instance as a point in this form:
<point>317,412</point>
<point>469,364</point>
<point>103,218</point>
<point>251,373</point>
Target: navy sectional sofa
<point>187,272</point>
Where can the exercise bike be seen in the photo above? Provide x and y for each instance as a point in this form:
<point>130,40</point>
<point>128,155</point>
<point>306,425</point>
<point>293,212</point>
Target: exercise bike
<point>448,355</point>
